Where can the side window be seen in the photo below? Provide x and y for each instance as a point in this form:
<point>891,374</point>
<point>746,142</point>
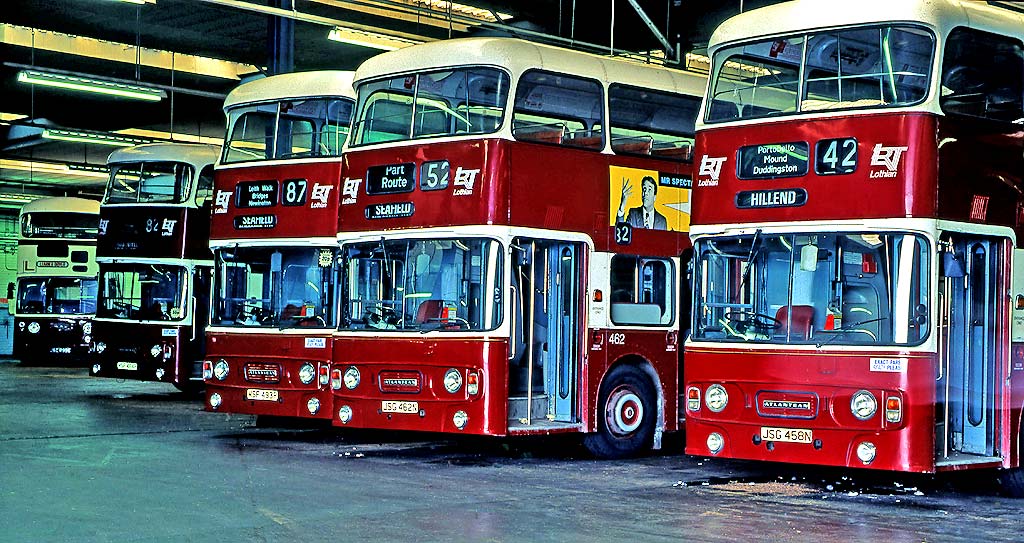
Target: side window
<point>204,189</point>
<point>649,122</point>
<point>642,291</point>
<point>559,109</point>
<point>982,76</point>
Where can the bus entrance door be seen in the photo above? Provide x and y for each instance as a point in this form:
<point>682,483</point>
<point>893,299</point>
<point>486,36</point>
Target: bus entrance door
<point>544,373</point>
<point>971,306</point>
<point>562,331</point>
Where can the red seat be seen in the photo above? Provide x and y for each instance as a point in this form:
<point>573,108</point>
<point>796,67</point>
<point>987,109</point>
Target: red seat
<point>429,310</point>
<point>797,326</point>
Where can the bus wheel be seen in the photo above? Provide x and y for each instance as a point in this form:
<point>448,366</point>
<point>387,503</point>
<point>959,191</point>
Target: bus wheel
<point>1012,482</point>
<point>626,415</point>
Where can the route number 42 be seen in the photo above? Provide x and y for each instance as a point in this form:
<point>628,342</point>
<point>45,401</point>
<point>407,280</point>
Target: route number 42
<point>835,156</point>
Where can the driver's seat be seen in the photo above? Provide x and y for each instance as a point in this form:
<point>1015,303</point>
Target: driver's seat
<point>799,326</point>
<point>429,310</point>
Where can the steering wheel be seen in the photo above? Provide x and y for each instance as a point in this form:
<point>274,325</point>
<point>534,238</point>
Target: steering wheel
<point>749,325</point>
<point>381,316</point>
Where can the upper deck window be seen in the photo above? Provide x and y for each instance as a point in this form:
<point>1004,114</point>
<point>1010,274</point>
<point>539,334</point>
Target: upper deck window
<point>59,224</point>
<point>454,102</point>
<point>867,288</point>
<point>983,76</point>
<point>560,109</point>
<point>651,122</point>
<point>149,183</point>
<point>300,128</point>
<point>887,66</point>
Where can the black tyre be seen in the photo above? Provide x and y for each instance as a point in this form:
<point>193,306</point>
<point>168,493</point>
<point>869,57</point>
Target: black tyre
<point>626,415</point>
<point>1012,482</point>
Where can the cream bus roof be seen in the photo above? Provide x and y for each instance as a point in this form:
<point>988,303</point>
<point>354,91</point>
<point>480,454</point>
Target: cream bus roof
<point>61,204</point>
<point>198,155</point>
<point>292,85</point>
<point>518,56</point>
<point>801,15</point>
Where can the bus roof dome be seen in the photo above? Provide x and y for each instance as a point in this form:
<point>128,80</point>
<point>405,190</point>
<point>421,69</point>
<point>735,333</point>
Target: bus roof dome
<point>292,85</point>
<point>198,155</point>
<point>517,56</point>
<point>803,15</point>
<point>65,204</point>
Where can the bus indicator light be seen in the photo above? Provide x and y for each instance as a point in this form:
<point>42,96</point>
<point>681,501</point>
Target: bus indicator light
<point>893,409</point>
<point>693,399</point>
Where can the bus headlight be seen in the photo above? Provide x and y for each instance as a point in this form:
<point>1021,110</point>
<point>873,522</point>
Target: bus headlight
<point>351,377</point>
<point>452,380</point>
<point>215,400</point>
<point>100,347</point>
<point>715,442</point>
<point>459,419</point>
<point>87,328</point>
<point>313,406</point>
<point>345,414</point>
<point>220,369</point>
<point>863,405</point>
<point>716,398</point>
<point>866,452</point>
<point>156,350</point>
<point>33,327</point>
<point>307,373</point>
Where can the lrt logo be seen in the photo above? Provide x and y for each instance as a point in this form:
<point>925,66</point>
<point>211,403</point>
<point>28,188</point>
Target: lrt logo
<point>350,190</point>
<point>222,201</point>
<point>711,167</point>
<point>888,158</point>
<point>103,226</point>
<point>167,227</point>
<point>465,179</point>
<point>318,199</point>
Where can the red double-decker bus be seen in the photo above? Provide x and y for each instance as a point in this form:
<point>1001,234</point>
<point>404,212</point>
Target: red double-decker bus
<point>273,236</point>
<point>858,293</point>
<point>154,260</point>
<point>511,223</point>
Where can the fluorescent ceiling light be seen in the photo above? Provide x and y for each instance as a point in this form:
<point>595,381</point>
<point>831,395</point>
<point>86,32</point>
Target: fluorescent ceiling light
<point>461,9</point>
<point>77,170</point>
<point>70,44</point>
<point>18,198</point>
<point>89,84</point>
<point>98,138</point>
<point>372,40</point>
<point>138,1</point>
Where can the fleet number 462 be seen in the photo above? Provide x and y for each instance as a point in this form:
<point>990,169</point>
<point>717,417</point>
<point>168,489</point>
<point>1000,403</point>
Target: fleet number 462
<point>617,339</point>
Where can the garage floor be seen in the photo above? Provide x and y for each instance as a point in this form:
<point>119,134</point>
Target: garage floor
<point>85,459</point>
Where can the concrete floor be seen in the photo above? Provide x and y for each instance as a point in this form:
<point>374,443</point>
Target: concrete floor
<point>85,459</point>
